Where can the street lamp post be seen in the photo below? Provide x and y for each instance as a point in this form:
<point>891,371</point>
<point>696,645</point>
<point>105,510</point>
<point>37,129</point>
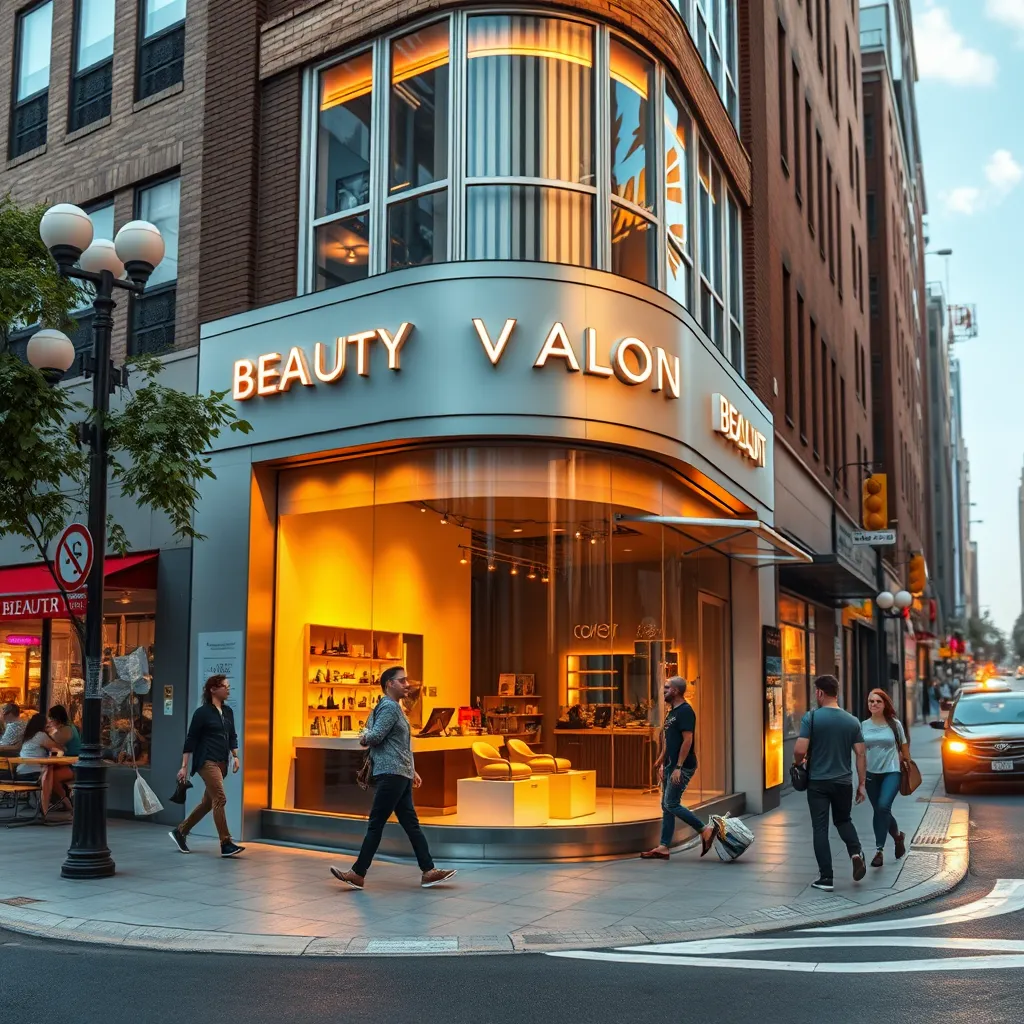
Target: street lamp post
<point>893,606</point>
<point>125,263</point>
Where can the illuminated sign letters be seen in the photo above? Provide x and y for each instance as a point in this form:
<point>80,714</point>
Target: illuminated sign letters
<point>728,421</point>
<point>273,373</point>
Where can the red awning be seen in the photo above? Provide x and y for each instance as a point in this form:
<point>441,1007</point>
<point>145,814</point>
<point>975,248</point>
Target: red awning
<point>28,591</point>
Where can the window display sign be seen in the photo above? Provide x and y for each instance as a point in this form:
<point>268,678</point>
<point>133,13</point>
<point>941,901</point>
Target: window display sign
<point>771,650</point>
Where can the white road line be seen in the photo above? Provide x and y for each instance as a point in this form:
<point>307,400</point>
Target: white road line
<point>1006,897</point>
<point>943,964</point>
<point>743,944</point>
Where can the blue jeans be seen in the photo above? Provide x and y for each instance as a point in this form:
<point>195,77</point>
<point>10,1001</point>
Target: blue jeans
<point>672,808</point>
<point>882,791</point>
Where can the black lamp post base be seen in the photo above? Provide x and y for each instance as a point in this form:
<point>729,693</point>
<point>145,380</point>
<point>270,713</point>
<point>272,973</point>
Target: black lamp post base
<point>89,855</point>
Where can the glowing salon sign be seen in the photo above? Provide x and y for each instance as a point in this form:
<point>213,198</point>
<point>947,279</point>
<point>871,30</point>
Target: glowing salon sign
<point>728,421</point>
<point>630,361</point>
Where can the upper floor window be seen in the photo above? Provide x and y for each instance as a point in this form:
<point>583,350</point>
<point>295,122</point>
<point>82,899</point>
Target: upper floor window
<point>713,26</point>
<point>555,141</point>
<point>152,327</point>
<point>31,79</point>
<point>93,79</point>
<point>161,46</point>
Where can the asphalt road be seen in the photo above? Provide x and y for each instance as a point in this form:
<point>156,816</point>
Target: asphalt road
<point>43,982</point>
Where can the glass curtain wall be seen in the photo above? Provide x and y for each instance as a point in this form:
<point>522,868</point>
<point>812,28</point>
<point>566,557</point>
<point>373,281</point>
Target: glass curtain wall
<point>518,603</point>
<point>519,136</point>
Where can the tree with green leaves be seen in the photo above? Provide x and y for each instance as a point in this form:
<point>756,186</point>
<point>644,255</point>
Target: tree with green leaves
<point>987,640</point>
<point>158,438</point>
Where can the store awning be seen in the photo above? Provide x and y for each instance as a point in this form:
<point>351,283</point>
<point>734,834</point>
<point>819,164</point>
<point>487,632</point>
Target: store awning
<point>28,591</point>
<point>747,540</point>
<point>827,578</point>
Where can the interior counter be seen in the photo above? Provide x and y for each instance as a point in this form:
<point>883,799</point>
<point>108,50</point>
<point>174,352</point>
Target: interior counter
<point>634,751</point>
<point>326,769</point>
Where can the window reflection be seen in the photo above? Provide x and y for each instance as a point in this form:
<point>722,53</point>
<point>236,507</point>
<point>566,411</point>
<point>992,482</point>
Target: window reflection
<point>419,108</point>
<point>632,129</point>
<point>530,98</point>
<point>418,231</point>
<point>634,246</point>
<point>677,127</point>
<point>343,157</point>
<point>523,222</point>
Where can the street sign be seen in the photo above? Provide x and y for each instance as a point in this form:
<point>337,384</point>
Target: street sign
<point>73,559</point>
<point>874,538</point>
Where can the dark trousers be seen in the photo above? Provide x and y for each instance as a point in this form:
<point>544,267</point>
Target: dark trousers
<point>837,796</point>
<point>392,795</point>
<point>882,791</point>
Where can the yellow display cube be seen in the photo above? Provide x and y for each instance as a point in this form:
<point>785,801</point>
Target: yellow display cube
<point>523,802</point>
<point>573,794</point>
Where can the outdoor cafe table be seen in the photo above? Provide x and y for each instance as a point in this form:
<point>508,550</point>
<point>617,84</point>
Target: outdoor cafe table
<point>42,762</point>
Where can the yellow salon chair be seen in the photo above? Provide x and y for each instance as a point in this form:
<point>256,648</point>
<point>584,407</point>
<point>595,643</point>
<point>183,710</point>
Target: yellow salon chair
<point>491,765</point>
<point>519,753</point>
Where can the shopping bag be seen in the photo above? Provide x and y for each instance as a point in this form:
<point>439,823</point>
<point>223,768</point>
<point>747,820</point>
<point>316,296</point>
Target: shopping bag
<point>146,801</point>
<point>732,837</point>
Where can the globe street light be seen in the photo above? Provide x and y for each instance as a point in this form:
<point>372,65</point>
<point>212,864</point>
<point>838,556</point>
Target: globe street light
<point>126,263</point>
<point>894,606</point>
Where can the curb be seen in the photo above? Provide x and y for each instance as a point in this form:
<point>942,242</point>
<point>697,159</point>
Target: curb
<point>939,853</point>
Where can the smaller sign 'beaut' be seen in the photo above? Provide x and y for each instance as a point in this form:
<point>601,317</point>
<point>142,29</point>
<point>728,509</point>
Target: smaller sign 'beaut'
<point>728,421</point>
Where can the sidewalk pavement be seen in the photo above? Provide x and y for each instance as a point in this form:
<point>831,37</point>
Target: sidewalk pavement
<point>279,900</point>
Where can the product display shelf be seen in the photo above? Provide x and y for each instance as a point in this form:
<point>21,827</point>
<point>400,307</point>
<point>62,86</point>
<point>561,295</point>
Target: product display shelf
<point>318,641</point>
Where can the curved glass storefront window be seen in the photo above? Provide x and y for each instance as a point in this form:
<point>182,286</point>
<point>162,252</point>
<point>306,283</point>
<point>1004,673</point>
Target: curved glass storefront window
<point>527,615</point>
<point>518,136</point>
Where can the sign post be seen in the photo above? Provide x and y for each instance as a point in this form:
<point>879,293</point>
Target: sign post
<point>874,538</point>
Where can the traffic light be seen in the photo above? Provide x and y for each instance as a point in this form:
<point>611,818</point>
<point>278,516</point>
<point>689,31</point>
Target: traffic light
<point>917,575</point>
<point>874,503</point>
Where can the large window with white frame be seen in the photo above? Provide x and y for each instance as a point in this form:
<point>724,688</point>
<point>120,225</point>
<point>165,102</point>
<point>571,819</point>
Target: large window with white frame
<point>518,136</point>
<point>713,26</point>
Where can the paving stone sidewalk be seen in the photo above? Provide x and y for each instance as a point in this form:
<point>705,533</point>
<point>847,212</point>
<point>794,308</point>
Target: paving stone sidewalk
<point>284,901</point>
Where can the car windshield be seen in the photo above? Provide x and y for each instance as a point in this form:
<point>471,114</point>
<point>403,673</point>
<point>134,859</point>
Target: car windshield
<point>1005,709</point>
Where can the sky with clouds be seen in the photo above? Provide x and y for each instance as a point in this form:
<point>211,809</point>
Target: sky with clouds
<point>970,99</point>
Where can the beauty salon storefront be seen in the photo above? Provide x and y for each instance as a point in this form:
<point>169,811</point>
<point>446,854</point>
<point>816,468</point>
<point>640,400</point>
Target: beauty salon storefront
<point>492,444</point>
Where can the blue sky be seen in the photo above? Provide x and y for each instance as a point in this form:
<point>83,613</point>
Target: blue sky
<point>970,98</point>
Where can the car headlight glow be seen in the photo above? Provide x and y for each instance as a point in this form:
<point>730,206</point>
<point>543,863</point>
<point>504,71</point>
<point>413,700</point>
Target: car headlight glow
<point>956,746</point>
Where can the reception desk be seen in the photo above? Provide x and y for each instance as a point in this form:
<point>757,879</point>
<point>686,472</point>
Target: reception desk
<point>592,749</point>
<point>326,769</point>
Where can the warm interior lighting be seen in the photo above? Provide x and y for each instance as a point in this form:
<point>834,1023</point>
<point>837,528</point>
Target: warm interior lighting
<point>346,82</point>
<point>463,560</point>
<point>579,535</point>
<point>515,570</point>
<point>517,529</point>
<point>532,574</point>
<point>490,567</point>
<point>444,519</point>
<point>419,53</point>
<point>520,50</point>
<point>628,68</point>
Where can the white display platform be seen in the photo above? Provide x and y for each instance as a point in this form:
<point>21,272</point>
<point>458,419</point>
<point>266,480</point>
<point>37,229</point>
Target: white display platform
<point>522,802</point>
<point>573,793</point>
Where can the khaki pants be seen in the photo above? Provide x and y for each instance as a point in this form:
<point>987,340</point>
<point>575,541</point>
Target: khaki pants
<point>214,799</point>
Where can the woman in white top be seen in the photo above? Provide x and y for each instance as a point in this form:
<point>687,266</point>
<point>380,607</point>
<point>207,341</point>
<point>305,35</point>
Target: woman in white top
<point>36,743</point>
<point>887,746</point>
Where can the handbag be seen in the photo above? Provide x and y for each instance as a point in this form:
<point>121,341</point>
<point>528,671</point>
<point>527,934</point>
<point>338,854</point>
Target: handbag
<point>732,837</point>
<point>910,774</point>
<point>798,773</point>
<point>364,777</point>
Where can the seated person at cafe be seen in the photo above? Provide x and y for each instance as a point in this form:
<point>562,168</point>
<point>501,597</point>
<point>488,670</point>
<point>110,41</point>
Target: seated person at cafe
<point>37,744</point>
<point>12,729</point>
<point>65,734</point>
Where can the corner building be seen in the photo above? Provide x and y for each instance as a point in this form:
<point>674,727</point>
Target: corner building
<point>489,325</point>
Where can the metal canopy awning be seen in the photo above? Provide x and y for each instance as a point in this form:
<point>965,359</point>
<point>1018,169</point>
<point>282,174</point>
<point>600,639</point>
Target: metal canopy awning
<point>747,540</point>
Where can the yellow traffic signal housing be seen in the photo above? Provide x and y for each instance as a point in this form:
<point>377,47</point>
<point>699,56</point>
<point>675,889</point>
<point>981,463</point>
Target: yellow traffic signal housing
<point>917,575</point>
<point>874,503</point>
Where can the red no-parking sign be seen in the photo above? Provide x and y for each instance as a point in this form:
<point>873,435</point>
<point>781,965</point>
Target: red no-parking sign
<point>73,558</point>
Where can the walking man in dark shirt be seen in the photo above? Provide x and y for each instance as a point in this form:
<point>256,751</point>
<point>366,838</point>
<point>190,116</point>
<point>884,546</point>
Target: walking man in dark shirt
<point>677,766</point>
<point>828,737</point>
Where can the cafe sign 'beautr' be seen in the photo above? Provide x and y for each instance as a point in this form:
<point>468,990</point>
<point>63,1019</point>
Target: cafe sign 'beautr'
<point>631,361</point>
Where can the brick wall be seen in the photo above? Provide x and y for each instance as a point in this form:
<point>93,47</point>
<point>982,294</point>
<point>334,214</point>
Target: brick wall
<point>779,233</point>
<point>895,345</point>
<point>139,141</point>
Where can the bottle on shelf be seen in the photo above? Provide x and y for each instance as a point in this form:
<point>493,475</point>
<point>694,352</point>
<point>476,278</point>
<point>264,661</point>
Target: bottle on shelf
<point>375,655</point>
<point>320,702</point>
<point>330,700</point>
<point>344,643</point>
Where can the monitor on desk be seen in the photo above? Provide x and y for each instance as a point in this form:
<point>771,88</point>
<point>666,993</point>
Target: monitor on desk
<point>437,722</point>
